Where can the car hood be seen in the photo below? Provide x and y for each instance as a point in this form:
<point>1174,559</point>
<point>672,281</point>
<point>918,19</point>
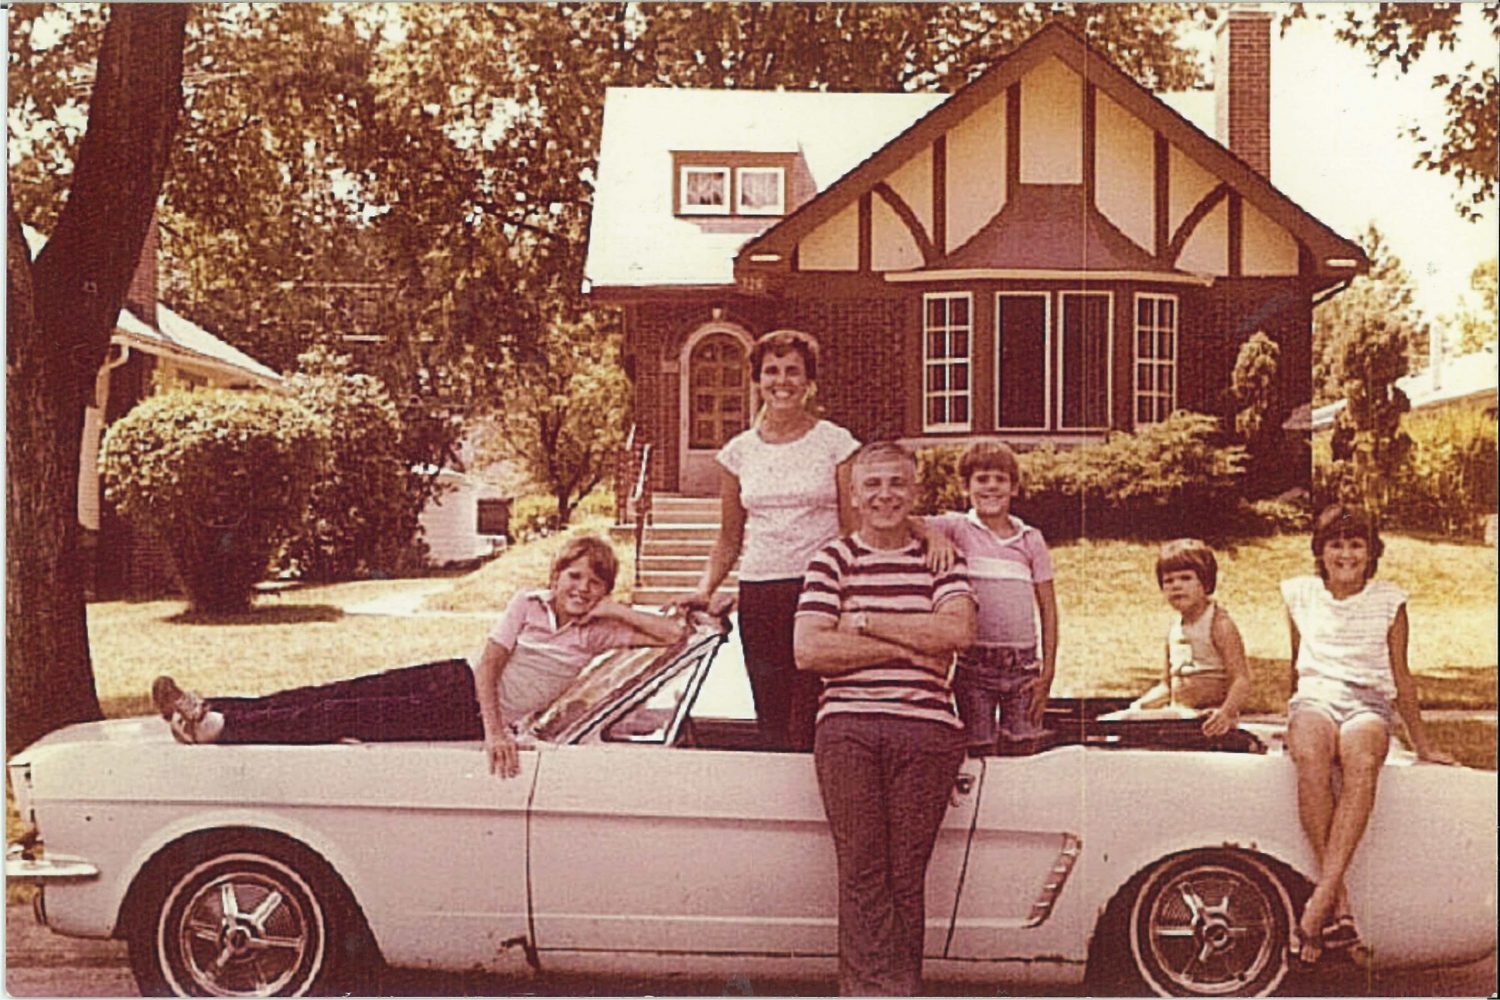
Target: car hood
<point>137,730</point>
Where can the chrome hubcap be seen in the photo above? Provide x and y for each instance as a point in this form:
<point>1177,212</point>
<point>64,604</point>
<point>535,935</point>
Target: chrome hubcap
<point>243,934</point>
<point>1212,930</point>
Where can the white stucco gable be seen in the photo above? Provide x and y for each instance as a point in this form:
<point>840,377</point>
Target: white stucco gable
<point>636,240</point>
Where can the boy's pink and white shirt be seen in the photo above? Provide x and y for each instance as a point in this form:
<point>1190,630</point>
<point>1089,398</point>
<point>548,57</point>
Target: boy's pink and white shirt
<point>1003,573</point>
<point>545,658</point>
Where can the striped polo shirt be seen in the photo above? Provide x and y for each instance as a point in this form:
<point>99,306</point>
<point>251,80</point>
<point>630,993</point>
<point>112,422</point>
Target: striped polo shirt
<point>846,576</point>
<point>1342,642</point>
<point>1004,573</point>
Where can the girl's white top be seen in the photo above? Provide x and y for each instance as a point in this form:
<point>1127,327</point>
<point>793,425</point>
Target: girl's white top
<point>790,495</point>
<point>1343,642</point>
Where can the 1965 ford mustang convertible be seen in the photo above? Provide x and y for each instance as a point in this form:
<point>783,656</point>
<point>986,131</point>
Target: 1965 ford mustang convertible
<point>646,832</point>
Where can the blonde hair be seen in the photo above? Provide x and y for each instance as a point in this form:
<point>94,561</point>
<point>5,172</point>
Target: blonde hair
<point>599,553</point>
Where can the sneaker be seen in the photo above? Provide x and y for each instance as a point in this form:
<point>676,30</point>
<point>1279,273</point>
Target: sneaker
<point>171,700</point>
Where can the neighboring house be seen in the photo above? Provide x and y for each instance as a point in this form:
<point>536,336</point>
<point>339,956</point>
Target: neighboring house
<point>151,347</point>
<point>1050,253</point>
<point>469,519</point>
<point>1469,380</point>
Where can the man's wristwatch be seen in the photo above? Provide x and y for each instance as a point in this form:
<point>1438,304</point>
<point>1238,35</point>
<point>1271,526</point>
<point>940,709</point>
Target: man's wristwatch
<point>861,622</point>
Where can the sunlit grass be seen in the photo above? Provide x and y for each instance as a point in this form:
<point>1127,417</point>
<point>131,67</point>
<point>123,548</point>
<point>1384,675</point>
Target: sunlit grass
<point>490,587</point>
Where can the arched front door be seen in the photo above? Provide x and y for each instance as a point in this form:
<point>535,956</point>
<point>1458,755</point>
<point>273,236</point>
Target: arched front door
<point>715,404</point>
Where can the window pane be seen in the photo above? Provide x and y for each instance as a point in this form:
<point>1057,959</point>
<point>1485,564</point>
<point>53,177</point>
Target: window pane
<point>960,409</point>
<point>1085,353</point>
<point>705,188</point>
<point>959,343</point>
<point>760,190</point>
<point>960,378</point>
<point>934,312</point>
<point>1021,337</point>
<point>958,311</point>
<point>937,378</point>
<point>935,413</point>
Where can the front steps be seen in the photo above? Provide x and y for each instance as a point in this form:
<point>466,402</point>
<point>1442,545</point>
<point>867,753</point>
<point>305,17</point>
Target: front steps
<point>675,548</point>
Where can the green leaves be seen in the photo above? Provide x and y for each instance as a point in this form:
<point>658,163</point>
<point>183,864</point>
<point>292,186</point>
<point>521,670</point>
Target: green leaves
<point>221,476</point>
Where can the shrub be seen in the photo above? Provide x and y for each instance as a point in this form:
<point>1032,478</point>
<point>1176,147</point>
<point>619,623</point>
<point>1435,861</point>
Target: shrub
<point>1175,477</point>
<point>364,507</point>
<point>600,502</point>
<point>1448,482</point>
<point>221,476</point>
<point>532,516</point>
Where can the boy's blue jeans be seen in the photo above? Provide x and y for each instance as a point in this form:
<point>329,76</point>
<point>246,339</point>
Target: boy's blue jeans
<point>996,677</point>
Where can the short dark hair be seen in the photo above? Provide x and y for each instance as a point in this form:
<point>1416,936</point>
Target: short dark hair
<point>1339,520</point>
<point>1188,554</point>
<point>779,342</point>
<point>599,553</point>
<point>989,455</point>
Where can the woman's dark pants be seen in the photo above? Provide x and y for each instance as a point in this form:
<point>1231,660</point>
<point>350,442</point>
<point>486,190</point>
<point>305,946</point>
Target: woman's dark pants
<point>786,699</point>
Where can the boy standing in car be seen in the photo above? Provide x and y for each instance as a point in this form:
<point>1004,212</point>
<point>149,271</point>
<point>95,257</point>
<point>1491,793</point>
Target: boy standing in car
<point>881,628</point>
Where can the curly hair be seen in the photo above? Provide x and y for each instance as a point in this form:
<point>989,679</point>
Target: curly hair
<point>779,342</point>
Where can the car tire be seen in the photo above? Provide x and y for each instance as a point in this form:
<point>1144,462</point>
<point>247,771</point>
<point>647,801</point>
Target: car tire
<point>244,914</point>
<point>1202,924</point>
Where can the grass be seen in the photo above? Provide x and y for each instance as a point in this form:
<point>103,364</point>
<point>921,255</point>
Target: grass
<point>490,587</point>
<point>1113,620</point>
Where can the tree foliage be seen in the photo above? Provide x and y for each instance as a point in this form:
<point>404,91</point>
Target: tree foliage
<point>221,476</point>
<point>1368,444</point>
<point>1386,290</point>
<point>60,311</point>
<point>1253,389</point>
<point>1479,317</point>
<point>363,508</point>
<point>566,410</point>
<point>1398,34</point>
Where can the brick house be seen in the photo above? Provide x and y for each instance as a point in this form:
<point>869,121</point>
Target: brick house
<point>1050,253</point>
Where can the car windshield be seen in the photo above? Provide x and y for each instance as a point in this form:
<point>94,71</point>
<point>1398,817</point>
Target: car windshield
<point>609,676</point>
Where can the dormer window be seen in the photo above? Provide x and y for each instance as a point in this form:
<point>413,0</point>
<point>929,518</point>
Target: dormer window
<point>730,183</point>
<point>705,191</point>
<point>760,190</point>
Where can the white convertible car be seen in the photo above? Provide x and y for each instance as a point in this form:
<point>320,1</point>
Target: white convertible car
<point>645,834</point>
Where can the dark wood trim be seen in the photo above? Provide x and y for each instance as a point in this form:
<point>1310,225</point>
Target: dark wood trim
<point>909,219</point>
<point>940,194</point>
<point>1065,44</point>
<point>1236,235</point>
<point>1162,205</point>
<point>866,239</point>
<point>1090,141</point>
<point>1205,205</point>
<point>1012,138</point>
<point>795,264</point>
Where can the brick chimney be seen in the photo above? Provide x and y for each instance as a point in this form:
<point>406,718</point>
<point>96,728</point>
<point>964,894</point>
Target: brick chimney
<point>141,296</point>
<point>1242,85</point>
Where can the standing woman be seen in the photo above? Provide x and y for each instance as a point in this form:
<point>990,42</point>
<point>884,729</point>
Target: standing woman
<point>784,489</point>
<point>1349,636</point>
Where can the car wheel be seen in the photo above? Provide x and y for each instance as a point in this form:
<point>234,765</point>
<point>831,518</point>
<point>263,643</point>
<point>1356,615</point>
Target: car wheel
<point>1210,923</point>
<point>249,915</point>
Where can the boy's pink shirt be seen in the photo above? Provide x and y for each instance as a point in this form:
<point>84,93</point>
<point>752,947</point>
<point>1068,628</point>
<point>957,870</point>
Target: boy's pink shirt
<point>1003,572</point>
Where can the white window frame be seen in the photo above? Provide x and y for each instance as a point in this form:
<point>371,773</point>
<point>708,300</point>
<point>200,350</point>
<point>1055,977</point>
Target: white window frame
<point>1109,356</point>
<point>779,208</point>
<point>1156,361</point>
<point>1046,298</point>
<point>948,361</point>
<point>684,208</point>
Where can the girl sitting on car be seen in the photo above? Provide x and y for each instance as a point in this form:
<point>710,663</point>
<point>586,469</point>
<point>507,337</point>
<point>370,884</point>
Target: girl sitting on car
<point>1349,635</point>
<point>544,639</point>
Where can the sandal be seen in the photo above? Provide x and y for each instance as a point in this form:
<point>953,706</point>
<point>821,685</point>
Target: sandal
<point>1341,934</point>
<point>1304,950</point>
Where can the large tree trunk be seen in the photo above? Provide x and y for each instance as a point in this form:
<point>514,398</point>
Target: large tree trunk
<point>61,313</point>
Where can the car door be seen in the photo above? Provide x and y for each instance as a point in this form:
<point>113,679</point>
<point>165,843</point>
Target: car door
<point>1022,891</point>
<point>434,848</point>
<point>722,851</point>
